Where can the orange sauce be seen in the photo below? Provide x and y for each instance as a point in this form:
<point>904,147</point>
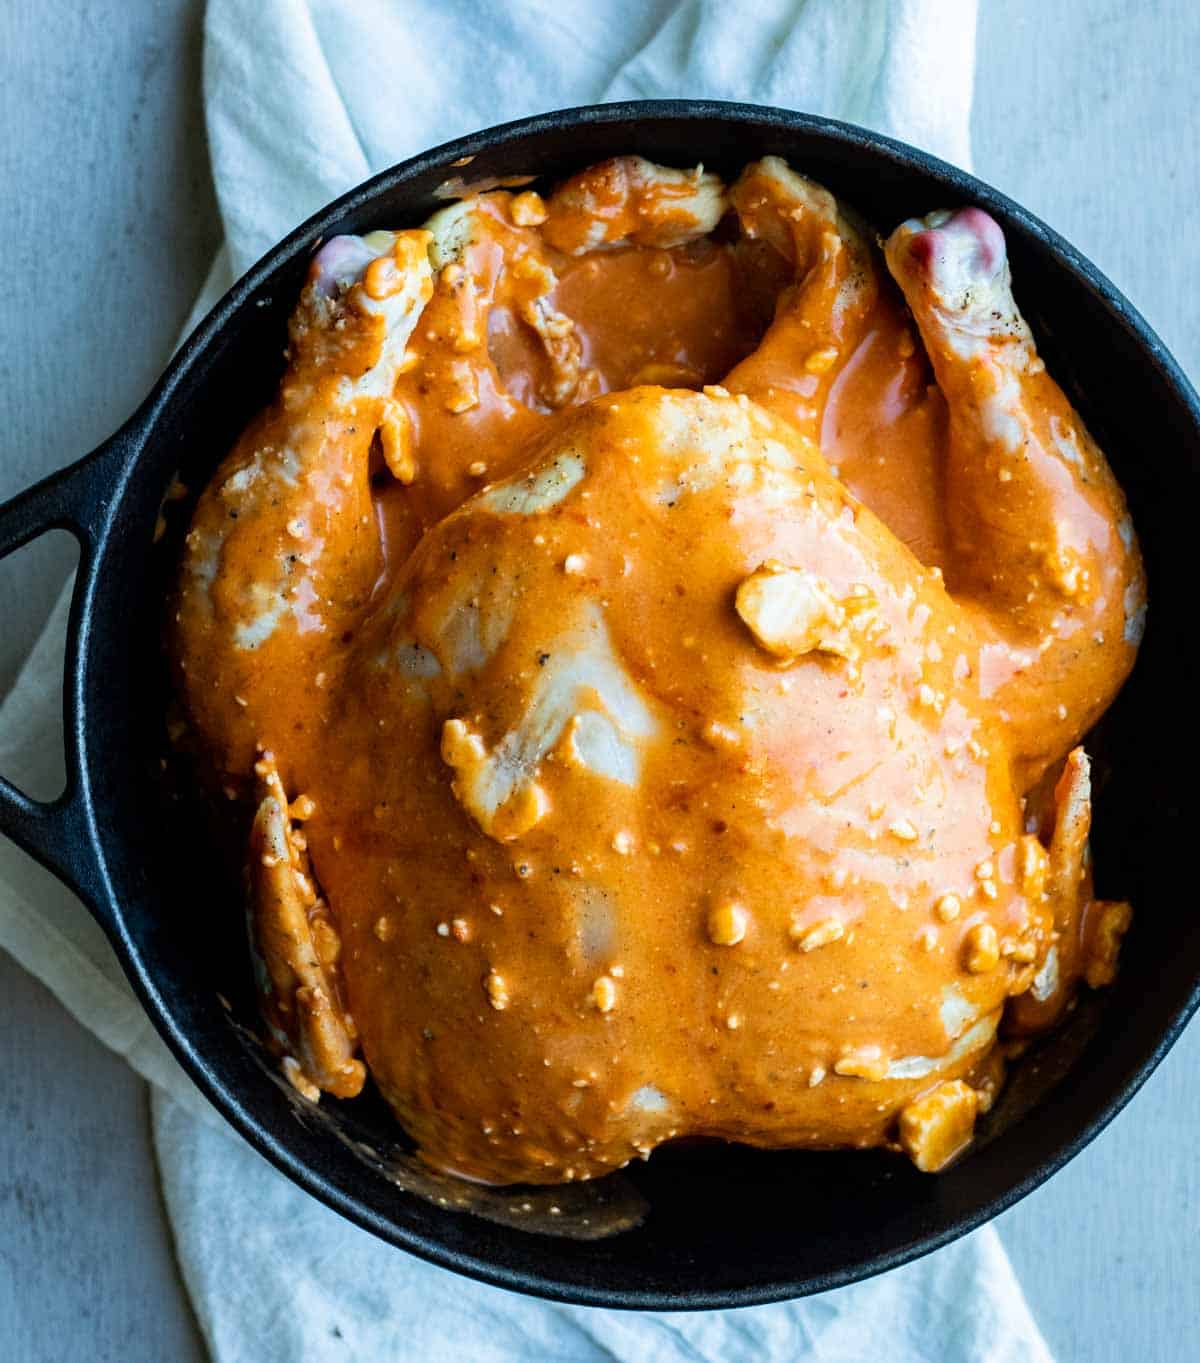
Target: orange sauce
<point>593,851</point>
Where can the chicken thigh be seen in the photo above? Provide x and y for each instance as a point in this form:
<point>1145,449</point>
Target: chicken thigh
<point>658,788</point>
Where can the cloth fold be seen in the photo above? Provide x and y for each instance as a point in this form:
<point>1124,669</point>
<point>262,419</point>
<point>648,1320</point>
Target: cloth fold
<point>304,99</point>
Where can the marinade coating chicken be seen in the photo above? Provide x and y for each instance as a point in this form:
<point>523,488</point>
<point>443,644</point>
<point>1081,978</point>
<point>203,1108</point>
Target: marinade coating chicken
<point>643,782</point>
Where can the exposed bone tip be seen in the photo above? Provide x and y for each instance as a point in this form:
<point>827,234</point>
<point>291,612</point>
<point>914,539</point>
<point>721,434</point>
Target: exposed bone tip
<point>967,244</point>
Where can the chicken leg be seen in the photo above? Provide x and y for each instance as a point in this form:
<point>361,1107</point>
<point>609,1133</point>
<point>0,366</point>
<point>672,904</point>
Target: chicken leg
<point>821,317</point>
<point>1042,549</point>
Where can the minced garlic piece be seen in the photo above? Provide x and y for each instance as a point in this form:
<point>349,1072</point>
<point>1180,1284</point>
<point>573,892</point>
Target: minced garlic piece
<point>936,1126</point>
<point>790,611</point>
<point>604,994</point>
<point>496,989</point>
<point>1032,866</point>
<point>862,1062</point>
<point>1019,949</point>
<point>982,949</point>
<point>727,924</point>
<point>948,907</point>
<point>818,934</point>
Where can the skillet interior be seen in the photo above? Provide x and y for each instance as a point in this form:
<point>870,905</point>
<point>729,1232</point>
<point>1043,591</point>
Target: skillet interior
<point>724,1226</point>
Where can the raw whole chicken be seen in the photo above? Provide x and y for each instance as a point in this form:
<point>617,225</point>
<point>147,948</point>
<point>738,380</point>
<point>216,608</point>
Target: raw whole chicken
<point>649,651</point>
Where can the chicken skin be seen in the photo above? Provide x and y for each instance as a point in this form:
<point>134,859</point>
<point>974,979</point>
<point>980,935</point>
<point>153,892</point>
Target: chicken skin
<point>633,747</point>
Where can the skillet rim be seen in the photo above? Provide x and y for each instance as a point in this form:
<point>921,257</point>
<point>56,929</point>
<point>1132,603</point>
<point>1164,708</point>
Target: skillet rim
<point>125,452</point>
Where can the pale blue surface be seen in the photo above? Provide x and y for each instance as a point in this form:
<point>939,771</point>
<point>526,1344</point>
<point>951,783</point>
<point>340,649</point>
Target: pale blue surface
<point>1085,112</point>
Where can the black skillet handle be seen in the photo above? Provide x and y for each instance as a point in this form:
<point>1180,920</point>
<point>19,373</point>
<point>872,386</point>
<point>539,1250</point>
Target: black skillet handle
<point>77,499</point>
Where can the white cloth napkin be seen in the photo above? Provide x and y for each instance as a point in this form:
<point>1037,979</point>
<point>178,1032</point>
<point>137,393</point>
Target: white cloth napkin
<point>303,100</point>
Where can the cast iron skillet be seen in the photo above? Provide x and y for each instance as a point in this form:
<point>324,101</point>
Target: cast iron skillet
<point>725,1226</point>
